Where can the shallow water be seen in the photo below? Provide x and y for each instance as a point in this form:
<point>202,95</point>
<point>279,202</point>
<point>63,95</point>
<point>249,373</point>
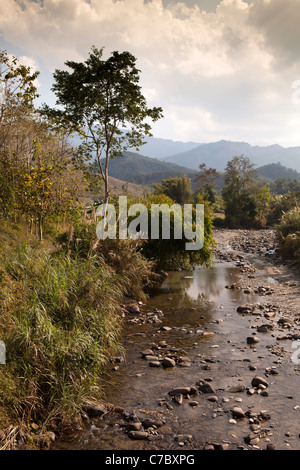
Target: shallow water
<point>192,302</point>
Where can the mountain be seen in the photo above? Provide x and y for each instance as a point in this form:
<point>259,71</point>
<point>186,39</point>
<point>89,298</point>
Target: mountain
<point>138,169</point>
<point>162,148</point>
<point>217,154</point>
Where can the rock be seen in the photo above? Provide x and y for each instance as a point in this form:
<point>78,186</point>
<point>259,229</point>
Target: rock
<point>147,352</point>
<point>256,381</point>
<point>133,308</point>
<point>285,322</point>
<point>193,403</point>
<point>206,388</point>
<point>247,308</point>
<point>178,399</point>
<point>270,447</point>
<point>237,388</point>
<point>252,340</point>
<point>265,415</point>
<point>237,412</point>
<point>94,410</point>
<point>180,391</point>
<point>264,328</point>
<point>134,426</point>
<point>138,435</point>
<point>150,422</point>
<point>282,337</point>
<point>167,362</point>
<point>154,364</point>
<point>151,358</point>
<point>213,398</point>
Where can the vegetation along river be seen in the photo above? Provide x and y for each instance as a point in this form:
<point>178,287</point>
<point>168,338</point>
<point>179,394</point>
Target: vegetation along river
<point>189,378</point>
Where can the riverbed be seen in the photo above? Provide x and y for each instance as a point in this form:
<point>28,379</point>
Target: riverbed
<point>185,380</point>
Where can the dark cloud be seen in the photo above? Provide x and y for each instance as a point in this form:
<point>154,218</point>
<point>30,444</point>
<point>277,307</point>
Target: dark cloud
<point>279,22</point>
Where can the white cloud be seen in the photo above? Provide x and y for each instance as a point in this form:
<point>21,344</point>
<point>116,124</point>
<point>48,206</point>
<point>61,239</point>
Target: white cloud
<point>218,68</point>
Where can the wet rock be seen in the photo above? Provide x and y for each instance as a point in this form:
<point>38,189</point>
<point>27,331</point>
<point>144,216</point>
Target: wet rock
<point>237,388</point>
<point>264,328</point>
<point>256,381</point>
<point>147,352</point>
<point>206,388</point>
<point>178,399</point>
<point>138,435</point>
<point>193,403</point>
<point>247,308</point>
<point>94,410</point>
<point>168,362</point>
<point>134,426</point>
<point>180,391</point>
<point>237,412</point>
<point>252,340</point>
<point>150,422</point>
<point>132,308</point>
<point>213,399</point>
<point>154,364</point>
<point>151,358</point>
<point>265,415</point>
<point>285,322</point>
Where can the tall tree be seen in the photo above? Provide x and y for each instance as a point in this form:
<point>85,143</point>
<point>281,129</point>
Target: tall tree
<point>103,97</point>
<point>178,189</point>
<point>239,190</point>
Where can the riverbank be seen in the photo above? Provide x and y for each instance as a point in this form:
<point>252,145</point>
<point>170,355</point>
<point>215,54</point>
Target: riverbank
<point>217,370</point>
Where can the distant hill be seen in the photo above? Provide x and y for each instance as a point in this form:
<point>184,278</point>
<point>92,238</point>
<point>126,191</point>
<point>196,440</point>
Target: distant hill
<point>217,154</point>
<point>275,171</point>
<point>136,168</point>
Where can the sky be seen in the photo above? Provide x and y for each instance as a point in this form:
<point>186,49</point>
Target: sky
<point>220,69</point>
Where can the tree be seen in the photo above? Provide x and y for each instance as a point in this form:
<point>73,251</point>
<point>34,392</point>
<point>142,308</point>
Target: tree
<point>239,190</point>
<point>178,189</point>
<point>103,97</point>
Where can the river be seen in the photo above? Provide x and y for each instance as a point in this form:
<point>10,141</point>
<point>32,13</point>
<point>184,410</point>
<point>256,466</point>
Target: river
<point>196,323</point>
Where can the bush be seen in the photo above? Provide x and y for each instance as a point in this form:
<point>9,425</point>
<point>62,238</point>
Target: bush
<point>288,235</point>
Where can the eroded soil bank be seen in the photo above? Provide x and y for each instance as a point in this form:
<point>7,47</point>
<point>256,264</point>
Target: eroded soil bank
<point>211,361</point>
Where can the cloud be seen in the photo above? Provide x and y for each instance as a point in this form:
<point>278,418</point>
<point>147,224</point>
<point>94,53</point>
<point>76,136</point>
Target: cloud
<point>279,21</point>
<point>225,70</point>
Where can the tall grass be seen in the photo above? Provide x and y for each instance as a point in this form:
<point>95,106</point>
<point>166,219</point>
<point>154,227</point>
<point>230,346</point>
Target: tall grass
<point>288,235</point>
<point>62,326</point>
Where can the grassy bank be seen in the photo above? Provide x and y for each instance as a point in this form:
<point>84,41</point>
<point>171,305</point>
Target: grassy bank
<point>61,323</point>
<point>288,235</point>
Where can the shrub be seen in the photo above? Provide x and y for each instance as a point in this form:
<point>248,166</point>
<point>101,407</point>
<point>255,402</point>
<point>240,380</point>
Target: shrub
<point>288,235</point>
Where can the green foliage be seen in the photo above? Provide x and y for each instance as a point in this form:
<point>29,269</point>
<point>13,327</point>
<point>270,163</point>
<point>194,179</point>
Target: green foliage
<point>239,193</point>
<point>103,97</point>
<point>64,325</point>
<point>279,205</point>
<point>285,185</point>
<point>171,254</point>
<point>288,235</point>
<point>178,189</point>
